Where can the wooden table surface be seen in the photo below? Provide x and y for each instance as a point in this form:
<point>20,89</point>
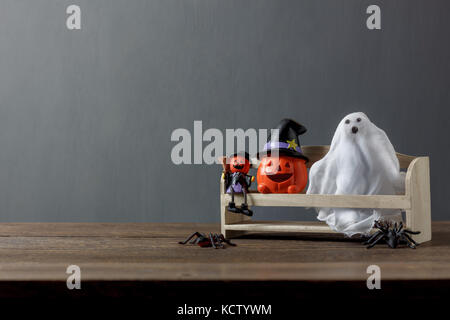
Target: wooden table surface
<point>150,252</point>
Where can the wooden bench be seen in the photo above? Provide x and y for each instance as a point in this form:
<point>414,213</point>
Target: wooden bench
<point>415,202</point>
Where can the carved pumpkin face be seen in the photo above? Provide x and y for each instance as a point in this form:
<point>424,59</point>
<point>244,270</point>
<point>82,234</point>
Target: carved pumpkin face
<point>239,164</point>
<point>282,174</point>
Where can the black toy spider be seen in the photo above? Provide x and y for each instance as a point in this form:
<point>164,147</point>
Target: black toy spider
<point>392,233</point>
<point>214,240</point>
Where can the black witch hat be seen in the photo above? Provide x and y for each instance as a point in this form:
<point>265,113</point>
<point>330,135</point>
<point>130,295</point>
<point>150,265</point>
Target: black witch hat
<point>242,154</point>
<point>285,141</point>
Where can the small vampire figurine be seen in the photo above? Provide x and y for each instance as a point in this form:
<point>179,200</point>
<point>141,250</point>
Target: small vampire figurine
<point>236,179</point>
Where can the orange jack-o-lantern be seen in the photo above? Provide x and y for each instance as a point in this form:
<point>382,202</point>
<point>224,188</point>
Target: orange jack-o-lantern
<point>283,164</point>
<point>282,174</point>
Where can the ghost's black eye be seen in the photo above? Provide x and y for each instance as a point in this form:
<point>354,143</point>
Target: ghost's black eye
<point>359,119</point>
<point>347,121</point>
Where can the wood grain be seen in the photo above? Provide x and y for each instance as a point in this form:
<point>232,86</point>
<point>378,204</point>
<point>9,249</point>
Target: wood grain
<point>150,252</point>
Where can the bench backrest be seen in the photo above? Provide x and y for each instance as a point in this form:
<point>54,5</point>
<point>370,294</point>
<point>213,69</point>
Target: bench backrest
<point>315,153</point>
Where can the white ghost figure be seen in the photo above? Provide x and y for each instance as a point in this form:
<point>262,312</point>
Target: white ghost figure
<point>361,160</point>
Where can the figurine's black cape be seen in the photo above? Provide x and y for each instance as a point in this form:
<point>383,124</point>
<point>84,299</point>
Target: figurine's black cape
<point>243,179</point>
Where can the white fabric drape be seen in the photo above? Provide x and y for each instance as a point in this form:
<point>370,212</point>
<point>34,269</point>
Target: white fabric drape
<point>361,160</point>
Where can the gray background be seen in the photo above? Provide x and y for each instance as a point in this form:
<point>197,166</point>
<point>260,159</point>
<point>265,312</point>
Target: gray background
<point>86,116</point>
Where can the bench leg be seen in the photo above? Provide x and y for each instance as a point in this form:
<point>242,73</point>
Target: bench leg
<point>418,218</point>
<point>230,218</point>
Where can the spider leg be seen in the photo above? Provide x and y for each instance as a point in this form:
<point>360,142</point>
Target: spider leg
<point>409,241</point>
<point>380,226</point>
<point>211,238</point>
<point>376,234</point>
<point>220,240</point>
<point>381,236</point>
<point>411,232</point>
<point>227,241</point>
<point>409,238</point>
<point>217,241</point>
<point>400,226</point>
<point>198,234</point>
<point>200,238</point>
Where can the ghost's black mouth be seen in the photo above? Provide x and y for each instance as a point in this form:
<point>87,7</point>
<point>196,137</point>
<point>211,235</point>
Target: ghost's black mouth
<point>280,177</point>
<point>238,166</point>
<point>354,129</point>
